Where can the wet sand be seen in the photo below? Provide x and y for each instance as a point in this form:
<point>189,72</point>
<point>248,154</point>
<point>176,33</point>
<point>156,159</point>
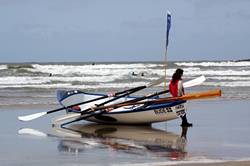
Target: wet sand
<point>220,132</point>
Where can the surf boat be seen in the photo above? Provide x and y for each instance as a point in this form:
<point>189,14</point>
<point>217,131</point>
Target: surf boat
<point>132,114</point>
<point>121,108</point>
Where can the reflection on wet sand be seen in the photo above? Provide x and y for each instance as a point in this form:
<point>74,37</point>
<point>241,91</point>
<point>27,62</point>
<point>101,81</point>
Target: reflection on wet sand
<point>140,140</point>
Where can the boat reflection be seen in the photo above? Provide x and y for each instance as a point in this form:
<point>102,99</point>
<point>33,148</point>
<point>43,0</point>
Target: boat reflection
<point>140,140</point>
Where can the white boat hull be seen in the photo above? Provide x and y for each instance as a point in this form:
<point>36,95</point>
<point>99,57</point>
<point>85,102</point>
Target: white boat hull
<point>125,115</point>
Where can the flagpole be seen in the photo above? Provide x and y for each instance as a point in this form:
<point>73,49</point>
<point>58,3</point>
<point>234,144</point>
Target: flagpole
<point>165,69</point>
<point>166,50</point>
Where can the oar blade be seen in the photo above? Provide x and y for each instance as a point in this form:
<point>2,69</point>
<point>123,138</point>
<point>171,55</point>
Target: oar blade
<point>194,82</point>
<point>32,116</point>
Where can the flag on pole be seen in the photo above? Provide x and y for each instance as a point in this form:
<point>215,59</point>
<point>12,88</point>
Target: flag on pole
<point>165,58</point>
<point>168,27</point>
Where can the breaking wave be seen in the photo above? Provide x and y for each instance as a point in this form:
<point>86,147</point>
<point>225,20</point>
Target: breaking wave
<point>105,76</point>
<point>3,67</point>
<point>19,80</point>
<point>20,66</point>
<point>207,64</point>
<point>118,75</point>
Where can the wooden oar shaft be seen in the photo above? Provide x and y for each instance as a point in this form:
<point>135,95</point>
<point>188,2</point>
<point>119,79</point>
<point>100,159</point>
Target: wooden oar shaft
<point>194,96</point>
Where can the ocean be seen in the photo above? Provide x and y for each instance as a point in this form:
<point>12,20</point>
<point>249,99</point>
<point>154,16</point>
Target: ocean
<point>33,83</point>
<point>220,132</point>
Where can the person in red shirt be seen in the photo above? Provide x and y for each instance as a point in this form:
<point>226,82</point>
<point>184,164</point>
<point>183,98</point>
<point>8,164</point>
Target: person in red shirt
<point>176,89</point>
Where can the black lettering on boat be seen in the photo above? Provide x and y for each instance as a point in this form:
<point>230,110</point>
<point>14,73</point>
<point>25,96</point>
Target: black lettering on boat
<point>169,109</point>
<point>180,112</point>
<point>181,106</point>
<point>163,110</point>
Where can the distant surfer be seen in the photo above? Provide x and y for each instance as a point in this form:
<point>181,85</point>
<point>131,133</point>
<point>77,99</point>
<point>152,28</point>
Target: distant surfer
<point>133,74</point>
<point>50,74</point>
<point>176,89</point>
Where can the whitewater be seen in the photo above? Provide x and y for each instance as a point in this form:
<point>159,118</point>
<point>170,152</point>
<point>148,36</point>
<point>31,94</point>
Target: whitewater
<point>43,79</point>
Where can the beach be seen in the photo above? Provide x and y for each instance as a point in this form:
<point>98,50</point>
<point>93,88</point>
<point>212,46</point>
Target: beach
<point>219,136</point>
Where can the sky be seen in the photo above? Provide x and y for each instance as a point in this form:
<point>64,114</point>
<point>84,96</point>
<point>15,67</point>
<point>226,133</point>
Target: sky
<point>123,30</point>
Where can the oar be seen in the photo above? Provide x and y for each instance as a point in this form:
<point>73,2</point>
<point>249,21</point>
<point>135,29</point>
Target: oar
<point>40,114</point>
<point>101,109</point>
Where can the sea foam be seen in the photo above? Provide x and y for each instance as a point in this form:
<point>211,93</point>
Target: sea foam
<point>206,64</point>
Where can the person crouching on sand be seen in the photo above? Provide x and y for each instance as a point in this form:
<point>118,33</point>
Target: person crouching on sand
<point>176,89</point>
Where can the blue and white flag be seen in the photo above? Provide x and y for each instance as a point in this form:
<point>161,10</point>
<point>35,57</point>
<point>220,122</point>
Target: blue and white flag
<point>168,27</point>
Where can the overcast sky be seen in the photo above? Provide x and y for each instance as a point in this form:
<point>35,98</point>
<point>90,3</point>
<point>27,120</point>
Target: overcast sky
<point>123,30</point>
